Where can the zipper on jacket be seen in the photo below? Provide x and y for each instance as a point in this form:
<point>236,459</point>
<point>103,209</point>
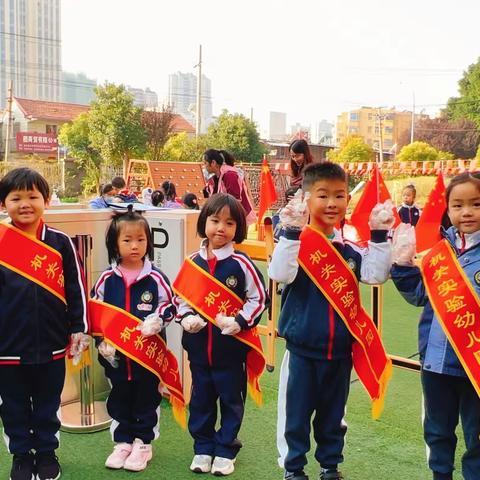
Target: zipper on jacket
<point>331,322</point>
<point>212,264</point>
<point>127,308</point>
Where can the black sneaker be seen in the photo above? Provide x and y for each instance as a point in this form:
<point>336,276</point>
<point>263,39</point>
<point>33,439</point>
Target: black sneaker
<point>47,466</point>
<point>331,475</point>
<point>442,476</point>
<point>23,467</point>
<point>297,475</point>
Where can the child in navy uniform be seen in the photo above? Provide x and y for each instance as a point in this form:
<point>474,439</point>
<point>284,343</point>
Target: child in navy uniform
<point>448,393</point>
<point>217,359</point>
<point>408,211</point>
<point>315,372</point>
<point>36,327</point>
<point>135,285</point>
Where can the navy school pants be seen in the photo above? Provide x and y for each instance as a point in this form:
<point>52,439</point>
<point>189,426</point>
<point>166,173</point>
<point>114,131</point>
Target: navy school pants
<point>210,384</point>
<point>446,398</point>
<point>29,405</point>
<point>317,388</point>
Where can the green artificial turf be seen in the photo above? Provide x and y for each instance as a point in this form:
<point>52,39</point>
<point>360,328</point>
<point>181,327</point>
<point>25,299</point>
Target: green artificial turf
<point>390,448</point>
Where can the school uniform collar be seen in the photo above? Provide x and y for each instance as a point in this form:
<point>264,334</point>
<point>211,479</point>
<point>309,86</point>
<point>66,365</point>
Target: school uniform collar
<point>220,253</point>
<point>465,241</point>
<point>404,205</point>
<point>145,272</point>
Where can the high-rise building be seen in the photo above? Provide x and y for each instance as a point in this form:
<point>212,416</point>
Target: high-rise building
<point>77,88</point>
<point>30,49</point>
<point>277,126</point>
<point>322,133</point>
<point>182,97</point>
<point>143,98</point>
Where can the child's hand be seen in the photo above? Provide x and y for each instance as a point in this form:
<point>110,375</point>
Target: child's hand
<point>295,214</point>
<point>79,342</point>
<point>381,217</point>
<point>227,325</point>
<point>151,325</point>
<point>193,323</point>
<point>404,245</point>
<point>108,351</point>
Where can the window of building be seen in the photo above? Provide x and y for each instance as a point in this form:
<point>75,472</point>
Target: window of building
<point>389,130</point>
<point>51,129</point>
<point>353,116</point>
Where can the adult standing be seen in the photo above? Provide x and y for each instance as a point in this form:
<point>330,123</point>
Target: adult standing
<point>300,157</point>
<point>227,179</point>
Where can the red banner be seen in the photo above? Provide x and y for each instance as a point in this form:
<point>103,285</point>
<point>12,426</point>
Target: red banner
<point>39,262</point>
<point>119,328</point>
<point>210,297</point>
<point>330,273</point>
<point>33,142</point>
<point>456,305</point>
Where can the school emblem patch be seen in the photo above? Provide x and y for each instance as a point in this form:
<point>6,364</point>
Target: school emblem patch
<point>231,281</point>
<point>476,277</point>
<point>352,264</point>
<point>147,297</point>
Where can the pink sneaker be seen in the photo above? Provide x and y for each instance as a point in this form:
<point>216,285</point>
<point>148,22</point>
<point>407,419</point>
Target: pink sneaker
<point>140,456</point>
<point>117,458</point>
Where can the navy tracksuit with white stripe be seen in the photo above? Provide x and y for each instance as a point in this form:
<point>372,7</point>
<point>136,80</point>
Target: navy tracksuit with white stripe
<point>35,329</point>
<point>134,400</point>
<point>315,372</point>
<point>218,362</point>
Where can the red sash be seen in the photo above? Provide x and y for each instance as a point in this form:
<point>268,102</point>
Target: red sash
<point>456,305</point>
<point>37,262</point>
<point>119,327</point>
<point>208,297</point>
<point>330,273</point>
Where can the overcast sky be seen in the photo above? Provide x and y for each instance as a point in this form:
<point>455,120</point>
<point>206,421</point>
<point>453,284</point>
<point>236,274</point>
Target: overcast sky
<point>309,58</point>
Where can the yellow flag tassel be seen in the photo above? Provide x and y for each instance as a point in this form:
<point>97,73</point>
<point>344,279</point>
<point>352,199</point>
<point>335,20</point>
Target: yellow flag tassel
<point>379,402</point>
<point>179,411</point>
<point>254,391</point>
<point>85,361</point>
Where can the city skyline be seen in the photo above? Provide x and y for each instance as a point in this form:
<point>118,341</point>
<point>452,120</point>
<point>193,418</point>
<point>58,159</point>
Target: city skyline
<point>310,61</point>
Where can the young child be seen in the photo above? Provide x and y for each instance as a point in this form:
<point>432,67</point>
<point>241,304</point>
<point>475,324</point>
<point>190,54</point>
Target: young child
<point>218,358</point>
<point>448,329</point>
<point>408,211</point>
<point>42,311</point>
<point>315,372</point>
<point>134,285</point>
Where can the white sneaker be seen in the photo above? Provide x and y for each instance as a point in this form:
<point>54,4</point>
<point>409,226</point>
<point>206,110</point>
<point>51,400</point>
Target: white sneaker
<point>223,466</point>
<point>140,456</point>
<point>117,458</point>
<point>201,464</point>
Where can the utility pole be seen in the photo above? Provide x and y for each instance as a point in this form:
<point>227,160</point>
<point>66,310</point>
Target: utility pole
<point>380,131</point>
<point>412,129</point>
<point>198,123</point>
<point>9,120</point>
<point>251,114</point>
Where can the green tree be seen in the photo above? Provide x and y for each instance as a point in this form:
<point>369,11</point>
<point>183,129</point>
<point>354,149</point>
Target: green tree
<point>352,149</point>
<point>182,148</point>
<point>115,125</point>
<point>76,137</point>
<point>418,152</point>
<point>467,104</point>
<point>237,134</point>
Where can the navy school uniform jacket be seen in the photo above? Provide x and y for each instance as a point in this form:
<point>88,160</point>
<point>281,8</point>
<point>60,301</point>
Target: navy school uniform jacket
<point>309,324</point>
<point>409,214</point>
<point>436,353</point>
<point>35,325</point>
<point>150,293</point>
<point>237,271</point>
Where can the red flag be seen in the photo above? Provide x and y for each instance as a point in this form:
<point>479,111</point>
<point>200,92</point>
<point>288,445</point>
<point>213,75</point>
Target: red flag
<point>427,229</point>
<point>268,194</point>
<point>375,192</point>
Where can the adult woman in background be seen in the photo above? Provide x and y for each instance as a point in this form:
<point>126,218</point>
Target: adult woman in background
<point>300,157</point>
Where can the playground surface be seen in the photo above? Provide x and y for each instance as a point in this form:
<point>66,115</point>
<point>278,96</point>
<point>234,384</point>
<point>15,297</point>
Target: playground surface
<point>390,448</point>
